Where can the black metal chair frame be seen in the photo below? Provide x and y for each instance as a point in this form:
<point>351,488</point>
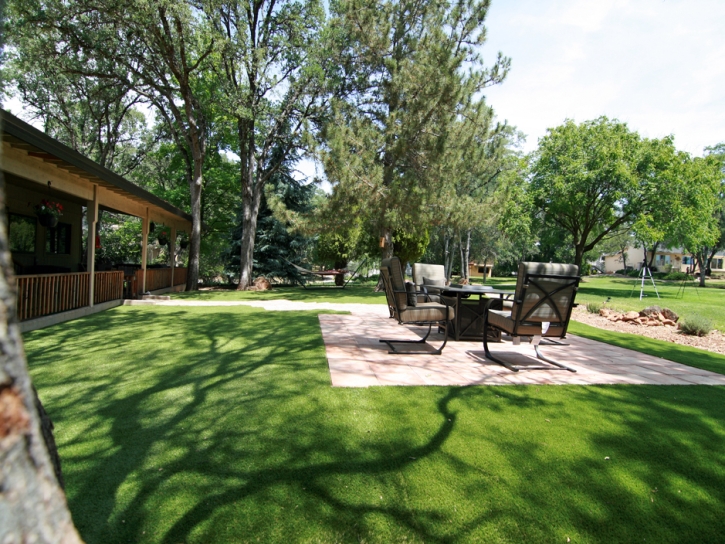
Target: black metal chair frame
<point>390,291</point>
<point>521,320</point>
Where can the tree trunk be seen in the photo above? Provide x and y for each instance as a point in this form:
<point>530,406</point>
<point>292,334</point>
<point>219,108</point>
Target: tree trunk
<point>387,251</point>
<point>701,257</point>
<point>652,257</point>
<point>466,255</point>
<point>450,252</point>
<point>340,278</point>
<point>579,256</point>
<point>32,504</point>
<point>192,278</point>
<point>251,200</point>
<point>460,252</point>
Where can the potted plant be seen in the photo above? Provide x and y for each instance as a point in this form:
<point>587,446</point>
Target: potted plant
<point>163,236</point>
<point>48,212</point>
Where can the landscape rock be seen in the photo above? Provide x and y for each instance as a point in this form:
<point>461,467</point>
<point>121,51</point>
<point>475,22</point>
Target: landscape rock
<point>262,284</point>
<point>630,316</point>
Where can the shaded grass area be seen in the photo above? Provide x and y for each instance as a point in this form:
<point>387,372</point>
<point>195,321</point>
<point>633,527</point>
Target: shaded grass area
<point>699,358</point>
<point>358,294</point>
<point>707,302</point>
<point>220,425</point>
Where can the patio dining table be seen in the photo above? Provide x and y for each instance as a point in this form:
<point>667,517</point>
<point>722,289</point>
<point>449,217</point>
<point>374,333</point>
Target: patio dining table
<point>468,321</point>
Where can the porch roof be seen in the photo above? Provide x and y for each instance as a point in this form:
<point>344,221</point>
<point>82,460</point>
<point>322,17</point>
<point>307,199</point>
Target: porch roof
<point>20,134</point>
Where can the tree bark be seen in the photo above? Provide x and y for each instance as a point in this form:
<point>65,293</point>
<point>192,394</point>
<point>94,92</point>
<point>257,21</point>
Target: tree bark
<point>192,278</point>
<point>701,257</point>
<point>32,504</point>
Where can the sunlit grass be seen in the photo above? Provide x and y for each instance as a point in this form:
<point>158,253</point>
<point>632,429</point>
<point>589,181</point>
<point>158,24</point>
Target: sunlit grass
<point>220,425</point>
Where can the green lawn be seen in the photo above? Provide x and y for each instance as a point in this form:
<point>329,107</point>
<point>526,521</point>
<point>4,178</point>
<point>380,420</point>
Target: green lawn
<point>220,425</point>
<point>359,294</point>
<point>686,355</point>
<point>708,302</point>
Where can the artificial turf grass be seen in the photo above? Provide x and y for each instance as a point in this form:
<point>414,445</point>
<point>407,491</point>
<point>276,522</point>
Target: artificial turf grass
<point>219,425</point>
<point>686,355</point>
<point>352,294</point>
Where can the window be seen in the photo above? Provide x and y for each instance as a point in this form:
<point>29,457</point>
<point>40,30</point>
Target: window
<point>686,260</point>
<point>717,264</point>
<point>21,233</point>
<point>57,239</point>
<point>481,269</point>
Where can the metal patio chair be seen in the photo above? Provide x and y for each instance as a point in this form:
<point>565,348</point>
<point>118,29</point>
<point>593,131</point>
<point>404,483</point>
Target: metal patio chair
<point>404,306</point>
<point>542,307</point>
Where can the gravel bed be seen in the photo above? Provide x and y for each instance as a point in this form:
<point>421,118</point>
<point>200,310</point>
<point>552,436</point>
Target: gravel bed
<point>715,341</point>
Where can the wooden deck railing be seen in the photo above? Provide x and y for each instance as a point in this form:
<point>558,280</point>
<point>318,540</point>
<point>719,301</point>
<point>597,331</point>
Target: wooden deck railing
<point>180,276</point>
<point>108,286</point>
<point>45,294</point>
<point>156,278</point>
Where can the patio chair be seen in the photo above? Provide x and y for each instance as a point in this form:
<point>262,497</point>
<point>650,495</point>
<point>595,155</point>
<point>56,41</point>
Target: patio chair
<point>404,305</point>
<point>542,306</point>
<point>429,278</point>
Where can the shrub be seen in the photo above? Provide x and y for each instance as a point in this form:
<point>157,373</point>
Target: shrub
<point>675,276</point>
<point>586,269</point>
<point>696,326</point>
<point>594,307</point>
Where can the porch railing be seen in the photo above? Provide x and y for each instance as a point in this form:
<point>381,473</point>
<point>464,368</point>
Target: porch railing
<point>158,278</point>
<point>45,294</point>
<point>108,286</point>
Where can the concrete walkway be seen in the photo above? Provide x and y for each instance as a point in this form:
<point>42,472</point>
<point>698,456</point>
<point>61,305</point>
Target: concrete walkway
<point>357,359</point>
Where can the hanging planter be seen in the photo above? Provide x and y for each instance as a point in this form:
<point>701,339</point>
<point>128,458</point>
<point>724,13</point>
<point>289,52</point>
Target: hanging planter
<point>48,213</point>
<point>163,236</point>
<point>48,221</point>
<point>183,244</point>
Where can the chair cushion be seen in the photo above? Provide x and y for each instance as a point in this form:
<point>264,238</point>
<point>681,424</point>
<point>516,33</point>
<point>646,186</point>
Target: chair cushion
<point>435,282</point>
<point>501,319</point>
<point>429,271</point>
<point>426,312</point>
<point>412,297</point>
<point>393,272</point>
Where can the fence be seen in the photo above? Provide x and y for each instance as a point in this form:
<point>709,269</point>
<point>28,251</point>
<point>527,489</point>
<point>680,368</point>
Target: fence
<point>45,294</point>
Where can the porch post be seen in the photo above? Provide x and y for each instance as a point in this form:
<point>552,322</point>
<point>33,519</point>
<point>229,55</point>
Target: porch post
<point>144,249</point>
<point>92,219</point>
<point>172,250</point>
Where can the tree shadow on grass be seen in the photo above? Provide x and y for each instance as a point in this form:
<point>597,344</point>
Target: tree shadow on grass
<point>214,425</point>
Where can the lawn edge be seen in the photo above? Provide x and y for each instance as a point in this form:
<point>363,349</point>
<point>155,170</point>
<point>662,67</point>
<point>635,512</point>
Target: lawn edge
<point>686,355</point>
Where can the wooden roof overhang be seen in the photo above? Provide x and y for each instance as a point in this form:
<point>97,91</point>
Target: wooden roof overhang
<point>33,155</point>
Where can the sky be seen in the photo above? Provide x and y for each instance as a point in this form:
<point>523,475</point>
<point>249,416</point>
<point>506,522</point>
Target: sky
<point>658,65</point>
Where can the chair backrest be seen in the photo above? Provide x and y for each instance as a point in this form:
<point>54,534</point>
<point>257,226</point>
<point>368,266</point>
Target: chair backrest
<point>545,292</point>
<point>394,282</point>
<point>431,271</point>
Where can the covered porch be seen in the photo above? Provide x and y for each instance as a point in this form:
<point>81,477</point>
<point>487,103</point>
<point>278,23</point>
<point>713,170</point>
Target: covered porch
<point>58,275</point>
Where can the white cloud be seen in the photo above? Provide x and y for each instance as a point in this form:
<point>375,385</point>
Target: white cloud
<point>657,65</point>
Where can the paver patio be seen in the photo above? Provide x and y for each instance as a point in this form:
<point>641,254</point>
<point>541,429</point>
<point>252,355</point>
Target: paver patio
<point>357,359</point>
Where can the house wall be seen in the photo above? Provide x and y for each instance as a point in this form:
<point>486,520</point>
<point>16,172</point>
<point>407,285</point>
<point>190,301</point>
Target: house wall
<point>614,262</point>
<point>476,270</point>
<point>20,200</point>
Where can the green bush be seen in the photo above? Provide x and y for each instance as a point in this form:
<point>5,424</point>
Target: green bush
<point>594,307</point>
<point>675,276</point>
<point>696,326</point>
<point>586,269</point>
